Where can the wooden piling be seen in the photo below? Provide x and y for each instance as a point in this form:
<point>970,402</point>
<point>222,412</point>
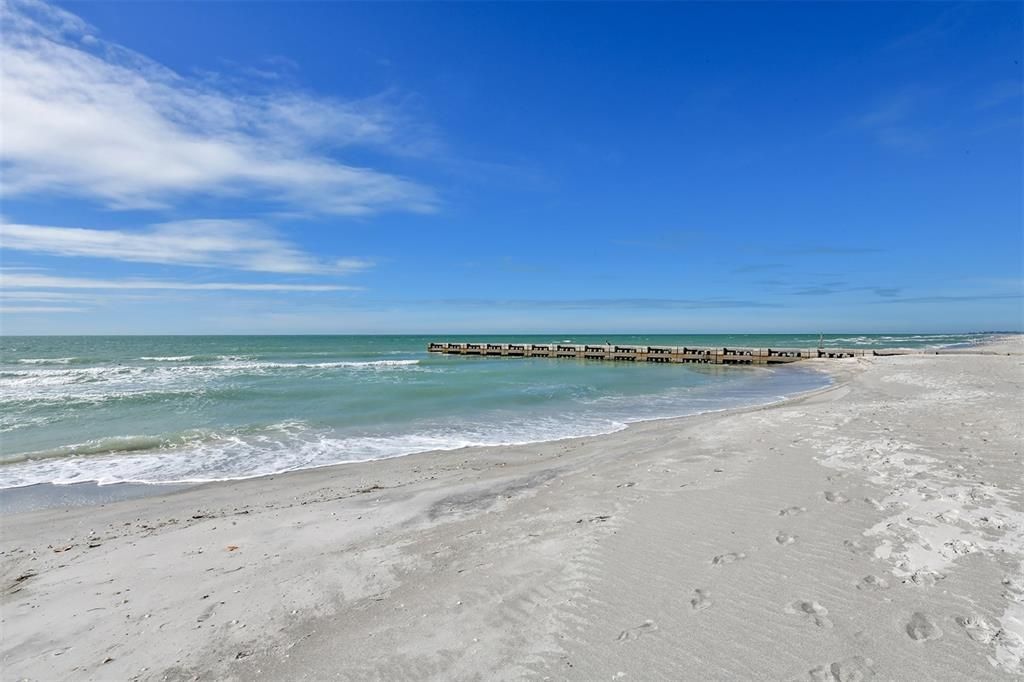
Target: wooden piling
<point>656,354</point>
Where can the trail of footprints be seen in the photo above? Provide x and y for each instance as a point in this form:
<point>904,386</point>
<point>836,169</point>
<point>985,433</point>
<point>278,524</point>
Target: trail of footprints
<point>920,627</point>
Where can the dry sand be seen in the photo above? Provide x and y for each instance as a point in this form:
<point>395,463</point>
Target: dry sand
<point>872,529</point>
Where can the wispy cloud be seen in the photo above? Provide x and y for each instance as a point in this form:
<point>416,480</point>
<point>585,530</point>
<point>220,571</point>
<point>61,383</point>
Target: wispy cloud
<point>31,280</point>
<point>833,288</point>
<point>37,310</point>
<point>607,303</point>
<point>38,296</point>
<point>85,117</point>
<point>945,24</point>
<point>237,244</point>
<point>834,251</point>
<point>1000,93</point>
<point>898,119</point>
<point>78,300</point>
<point>825,288</point>
<point>817,291</point>
<point>954,298</point>
<point>757,267</point>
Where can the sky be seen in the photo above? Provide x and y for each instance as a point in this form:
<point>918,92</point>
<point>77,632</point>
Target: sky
<point>330,167</point>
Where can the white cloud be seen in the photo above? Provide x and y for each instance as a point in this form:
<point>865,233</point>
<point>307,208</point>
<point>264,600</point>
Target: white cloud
<point>21,309</point>
<point>40,296</point>
<point>31,280</point>
<point>89,118</point>
<point>238,244</point>
<point>347,265</point>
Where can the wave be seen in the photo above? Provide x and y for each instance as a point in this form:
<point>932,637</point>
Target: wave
<point>195,358</point>
<point>920,341</point>
<point>101,371</point>
<point>99,446</point>
<point>195,438</point>
<point>369,364</point>
<point>245,452</point>
<point>50,361</point>
<point>107,382</point>
<point>199,457</point>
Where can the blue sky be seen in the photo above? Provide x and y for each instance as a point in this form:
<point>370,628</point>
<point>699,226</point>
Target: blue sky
<point>428,168</point>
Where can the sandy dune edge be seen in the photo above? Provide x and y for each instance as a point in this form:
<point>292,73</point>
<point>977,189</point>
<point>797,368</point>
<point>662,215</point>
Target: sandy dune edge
<point>874,529</point>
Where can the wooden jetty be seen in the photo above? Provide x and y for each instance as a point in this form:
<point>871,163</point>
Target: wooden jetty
<point>665,354</point>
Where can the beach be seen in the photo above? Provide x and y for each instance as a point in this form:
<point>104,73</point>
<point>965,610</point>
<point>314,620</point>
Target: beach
<point>874,528</point>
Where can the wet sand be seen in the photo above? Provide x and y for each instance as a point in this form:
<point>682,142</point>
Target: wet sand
<point>49,496</point>
<point>875,528</point>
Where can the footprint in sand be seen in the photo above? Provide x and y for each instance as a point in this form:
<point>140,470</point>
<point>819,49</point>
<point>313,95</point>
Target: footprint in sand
<point>785,538</point>
<point>857,547</point>
<point>875,503</point>
<point>921,628</point>
<point>1013,585</point>
<point>872,582</point>
<point>837,498</point>
<point>978,628</point>
<point>792,511</point>
<point>812,610</point>
<point>701,600</point>
<point>731,557</point>
<point>853,669</point>
<point>632,634</point>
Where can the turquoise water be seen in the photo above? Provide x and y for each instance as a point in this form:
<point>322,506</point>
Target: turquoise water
<point>184,409</point>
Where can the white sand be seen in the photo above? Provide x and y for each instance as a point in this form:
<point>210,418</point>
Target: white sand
<point>874,529</point>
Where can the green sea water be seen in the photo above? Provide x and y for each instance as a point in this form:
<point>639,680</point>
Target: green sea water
<point>201,408</point>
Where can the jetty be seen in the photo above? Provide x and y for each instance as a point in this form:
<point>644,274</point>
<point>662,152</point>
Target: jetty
<point>663,354</point>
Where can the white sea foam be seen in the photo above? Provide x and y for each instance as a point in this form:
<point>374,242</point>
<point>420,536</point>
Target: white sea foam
<point>237,454</point>
<point>46,361</point>
<point>113,382</point>
<point>899,340</point>
<point>368,364</point>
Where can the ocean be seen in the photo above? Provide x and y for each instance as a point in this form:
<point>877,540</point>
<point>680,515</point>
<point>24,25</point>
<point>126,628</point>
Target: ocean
<point>183,409</point>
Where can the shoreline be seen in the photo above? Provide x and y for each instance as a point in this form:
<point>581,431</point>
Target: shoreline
<point>41,496</point>
<point>873,527</point>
